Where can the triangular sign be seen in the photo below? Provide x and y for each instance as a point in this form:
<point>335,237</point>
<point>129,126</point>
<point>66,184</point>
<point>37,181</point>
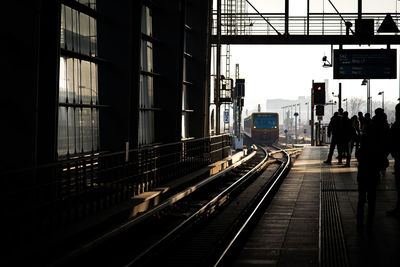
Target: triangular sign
<point>388,25</point>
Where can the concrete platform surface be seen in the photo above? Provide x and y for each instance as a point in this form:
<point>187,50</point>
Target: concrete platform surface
<point>312,220</point>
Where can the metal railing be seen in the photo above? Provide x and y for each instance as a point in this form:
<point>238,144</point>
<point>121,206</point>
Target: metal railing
<point>318,23</point>
<point>39,201</point>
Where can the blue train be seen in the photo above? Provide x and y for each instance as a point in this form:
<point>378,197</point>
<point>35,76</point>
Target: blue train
<point>262,127</point>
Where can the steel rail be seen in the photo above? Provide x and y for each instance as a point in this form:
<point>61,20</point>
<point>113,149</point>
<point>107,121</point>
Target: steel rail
<point>189,220</point>
<point>139,218</point>
<point>280,172</point>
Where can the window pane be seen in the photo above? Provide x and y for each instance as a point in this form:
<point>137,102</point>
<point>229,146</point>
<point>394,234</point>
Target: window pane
<point>183,131</point>
<point>150,91</point>
<point>71,130</point>
<point>146,21</point>
<point>143,19</point>
<point>62,93</point>
<point>77,72</point>
<point>84,34</point>
<point>184,97</point>
<point>68,28</point>
<point>75,30</point>
<point>149,24</point>
<point>62,32</point>
<point>85,82</point>
<point>92,4</point>
<point>62,142</point>
<point>146,92</point>
<point>93,69</point>
<point>149,55</point>
<point>70,80</point>
<point>86,130</point>
<point>93,37</point>
<point>184,69</point>
<point>78,133</point>
<point>140,132</point>
<point>95,121</point>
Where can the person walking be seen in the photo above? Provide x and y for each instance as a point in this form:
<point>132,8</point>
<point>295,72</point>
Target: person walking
<point>395,151</point>
<point>333,129</point>
<point>376,142</point>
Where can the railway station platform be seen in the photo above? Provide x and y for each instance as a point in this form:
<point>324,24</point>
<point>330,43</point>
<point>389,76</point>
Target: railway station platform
<point>312,219</point>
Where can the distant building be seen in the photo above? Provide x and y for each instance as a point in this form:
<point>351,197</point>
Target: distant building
<point>276,105</point>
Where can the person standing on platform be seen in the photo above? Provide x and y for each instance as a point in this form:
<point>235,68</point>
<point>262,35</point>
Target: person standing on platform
<point>361,119</point>
<point>395,151</point>
<point>348,133</point>
<point>340,137</point>
<point>333,128</point>
<point>366,123</point>
<point>372,158</point>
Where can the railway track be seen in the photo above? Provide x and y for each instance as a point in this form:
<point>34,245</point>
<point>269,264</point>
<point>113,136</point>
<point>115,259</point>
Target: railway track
<point>202,228</point>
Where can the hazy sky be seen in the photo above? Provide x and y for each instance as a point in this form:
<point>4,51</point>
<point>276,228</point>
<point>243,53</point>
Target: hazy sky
<point>287,71</point>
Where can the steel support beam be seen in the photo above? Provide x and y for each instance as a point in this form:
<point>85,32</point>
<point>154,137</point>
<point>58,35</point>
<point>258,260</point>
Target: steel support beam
<point>218,78</point>
<point>286,17</point>
<point>307,39</point>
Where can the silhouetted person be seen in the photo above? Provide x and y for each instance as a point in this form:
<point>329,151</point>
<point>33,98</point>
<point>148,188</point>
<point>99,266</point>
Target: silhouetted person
<point>361,119</point>
<point>357,132</point>
<point>340,137</point>
<point>372,157</point>
<point>395,151</point>
<point>333,129</point>
<point>367,122</point>
<point>347,135</point>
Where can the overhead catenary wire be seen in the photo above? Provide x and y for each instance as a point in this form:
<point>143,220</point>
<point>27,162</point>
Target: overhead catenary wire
<point>264,18</point>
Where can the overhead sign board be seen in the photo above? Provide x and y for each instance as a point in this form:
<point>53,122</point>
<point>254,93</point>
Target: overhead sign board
<point>364,64</point>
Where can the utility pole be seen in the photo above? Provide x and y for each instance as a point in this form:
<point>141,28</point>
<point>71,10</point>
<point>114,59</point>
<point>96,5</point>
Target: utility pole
<point>340,95</point>
<point>286,17</point>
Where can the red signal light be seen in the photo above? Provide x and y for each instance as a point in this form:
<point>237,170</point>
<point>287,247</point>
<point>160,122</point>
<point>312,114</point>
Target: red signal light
<point>319,88</point>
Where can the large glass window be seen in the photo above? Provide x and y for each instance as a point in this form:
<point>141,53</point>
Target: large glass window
<point>78,118</point>
<point>146,90</point>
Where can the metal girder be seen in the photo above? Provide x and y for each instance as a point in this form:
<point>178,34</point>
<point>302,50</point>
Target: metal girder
<point>308,39</point>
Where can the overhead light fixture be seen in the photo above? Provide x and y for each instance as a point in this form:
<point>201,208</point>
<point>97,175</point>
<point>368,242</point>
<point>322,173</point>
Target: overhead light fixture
<point>326,64</point>
<point>364,82</point>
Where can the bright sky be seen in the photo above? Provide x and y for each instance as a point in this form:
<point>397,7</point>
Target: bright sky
<point>287,71</point>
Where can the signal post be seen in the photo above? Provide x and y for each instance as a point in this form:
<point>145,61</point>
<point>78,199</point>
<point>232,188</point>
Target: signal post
<point>318,99</point>
<point>312,114</point>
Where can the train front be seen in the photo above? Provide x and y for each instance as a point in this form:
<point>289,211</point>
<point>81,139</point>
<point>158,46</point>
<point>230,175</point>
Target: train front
<point>265,128</point>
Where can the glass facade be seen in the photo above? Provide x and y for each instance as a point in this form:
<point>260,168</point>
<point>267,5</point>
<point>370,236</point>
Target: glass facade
<point>78,118</point>
<point>146,90</point>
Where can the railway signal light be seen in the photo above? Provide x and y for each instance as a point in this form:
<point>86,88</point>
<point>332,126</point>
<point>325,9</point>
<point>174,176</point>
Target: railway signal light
<point>239,88</point>
<point>319,110</point>
<point>319,93</point>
